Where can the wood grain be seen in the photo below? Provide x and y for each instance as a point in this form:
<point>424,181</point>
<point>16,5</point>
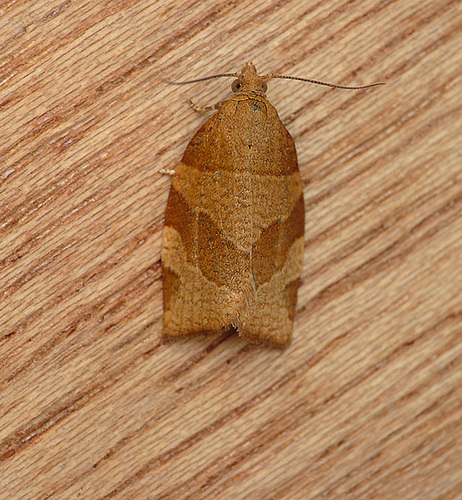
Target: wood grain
<point>365,403</point>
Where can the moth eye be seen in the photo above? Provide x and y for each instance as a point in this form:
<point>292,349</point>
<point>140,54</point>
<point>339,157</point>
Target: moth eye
<point>264,87</point>
<point>236,86</point>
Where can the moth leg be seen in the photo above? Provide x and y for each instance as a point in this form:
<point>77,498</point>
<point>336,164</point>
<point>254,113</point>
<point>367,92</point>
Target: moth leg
<point>198,108</point>
<point>167,171</point>
<point>289,119</point>
<point>203,109</point>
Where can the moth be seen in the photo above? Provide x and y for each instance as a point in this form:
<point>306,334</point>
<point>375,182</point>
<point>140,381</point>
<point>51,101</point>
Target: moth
<point>234,224</point>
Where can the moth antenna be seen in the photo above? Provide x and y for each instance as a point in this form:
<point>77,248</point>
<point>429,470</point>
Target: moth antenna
<point>318,82</point>
<point>220,75</point>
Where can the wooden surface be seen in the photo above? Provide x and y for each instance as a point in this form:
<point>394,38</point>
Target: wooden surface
<point>366,401</point>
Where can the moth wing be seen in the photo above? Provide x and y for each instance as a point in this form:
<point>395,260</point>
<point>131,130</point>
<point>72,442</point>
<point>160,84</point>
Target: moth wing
<point>234,226</point>
<point>270,309</point>
<point>202,269</point>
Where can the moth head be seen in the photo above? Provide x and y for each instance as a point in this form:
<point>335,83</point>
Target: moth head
<point>249,81</point>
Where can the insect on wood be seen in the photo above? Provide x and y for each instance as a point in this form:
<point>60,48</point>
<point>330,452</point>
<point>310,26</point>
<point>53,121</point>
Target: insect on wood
<point>234,224</point>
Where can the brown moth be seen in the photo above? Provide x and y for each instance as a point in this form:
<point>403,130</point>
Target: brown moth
<point>234,224</point>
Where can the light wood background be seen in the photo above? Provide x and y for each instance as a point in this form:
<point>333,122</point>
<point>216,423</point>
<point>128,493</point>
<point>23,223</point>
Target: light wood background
<point>366,403</point>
